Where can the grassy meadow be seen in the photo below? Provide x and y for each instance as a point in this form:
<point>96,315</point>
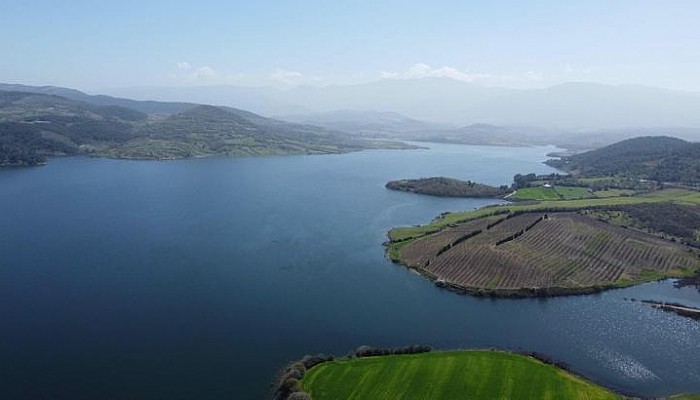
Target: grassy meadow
<point>552,193</point>
<point>447,375</point>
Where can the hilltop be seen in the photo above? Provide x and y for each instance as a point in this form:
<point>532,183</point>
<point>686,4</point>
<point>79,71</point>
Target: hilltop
<point>654,158</point>
<point>398,116</point>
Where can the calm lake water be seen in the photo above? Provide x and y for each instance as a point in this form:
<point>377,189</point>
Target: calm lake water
<point>198,279</point>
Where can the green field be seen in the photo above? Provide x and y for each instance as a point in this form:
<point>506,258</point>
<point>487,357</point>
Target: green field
<point>613,193</point>
<point>679,196</point>
<point>535,193</point>
<point>552,193</point>
<point>447,375</point>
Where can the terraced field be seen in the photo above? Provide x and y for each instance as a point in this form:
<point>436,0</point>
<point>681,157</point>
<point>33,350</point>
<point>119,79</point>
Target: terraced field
<point>539,253</point>
<point>447,375</point>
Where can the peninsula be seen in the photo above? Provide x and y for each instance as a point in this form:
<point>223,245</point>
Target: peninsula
<point>575,234</point>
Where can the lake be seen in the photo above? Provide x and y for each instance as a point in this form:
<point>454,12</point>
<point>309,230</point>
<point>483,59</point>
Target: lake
<point>201,278</point>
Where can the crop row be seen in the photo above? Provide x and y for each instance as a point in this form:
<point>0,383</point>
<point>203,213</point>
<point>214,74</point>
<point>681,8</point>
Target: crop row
<point>566,249</point>
<point>421,251</point>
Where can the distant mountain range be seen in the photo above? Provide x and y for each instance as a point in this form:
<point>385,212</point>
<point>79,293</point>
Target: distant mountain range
<point>570,106</point>
<point>369,123</point>
<point>144,106</point>
<point>391,125</point>
<point>40,121</point>
<point>46,121</point>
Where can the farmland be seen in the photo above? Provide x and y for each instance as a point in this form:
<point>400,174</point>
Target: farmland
<point>540,253</point>
<point>447,375</point>
<point>676,196</point>
<point>552,193</point>
<point>549,248</point>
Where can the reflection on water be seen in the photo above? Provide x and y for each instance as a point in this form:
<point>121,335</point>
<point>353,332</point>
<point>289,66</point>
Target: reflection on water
<point>625,364</point>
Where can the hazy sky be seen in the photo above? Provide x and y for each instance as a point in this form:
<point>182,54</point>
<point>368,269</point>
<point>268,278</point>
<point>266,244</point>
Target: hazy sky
<point>95,44</point>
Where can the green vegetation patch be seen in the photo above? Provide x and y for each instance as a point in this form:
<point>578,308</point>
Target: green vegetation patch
<point>572,192</point>
<point>658,159</point>
<point>447,187</point>
<point>447,375</point>
<point>36,126</point>
<point>678,222</point>
<point>552,193</point>
<point>613,193</point>
<point>535,193</point>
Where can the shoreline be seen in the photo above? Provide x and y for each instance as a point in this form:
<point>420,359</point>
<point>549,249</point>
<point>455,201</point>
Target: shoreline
<point>395,145</point>
<point>393,249</point>
<point>679,309</point>
<point>520,293</point>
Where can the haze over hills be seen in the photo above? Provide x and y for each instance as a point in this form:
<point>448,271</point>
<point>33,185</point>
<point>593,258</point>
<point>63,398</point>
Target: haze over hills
<point>397,126</point>
<point>569,106</point>
<point>261,100</point>
<point>379,124</point>
<point>369,123</point>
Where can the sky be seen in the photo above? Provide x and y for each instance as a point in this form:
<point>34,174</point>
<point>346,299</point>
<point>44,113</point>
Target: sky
<point>91,45</point>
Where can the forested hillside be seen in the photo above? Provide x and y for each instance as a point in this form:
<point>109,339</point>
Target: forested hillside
<point>35,126</point>
<point>657,158</point>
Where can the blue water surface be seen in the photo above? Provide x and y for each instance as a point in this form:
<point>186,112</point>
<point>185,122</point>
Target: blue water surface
<point>199,279</point>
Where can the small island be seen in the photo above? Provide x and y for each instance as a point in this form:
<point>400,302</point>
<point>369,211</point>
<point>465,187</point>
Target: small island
<point>448,187</point>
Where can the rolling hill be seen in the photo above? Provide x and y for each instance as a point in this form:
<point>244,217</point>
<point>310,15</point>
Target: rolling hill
<point>34,126</point>
<point>144,106</point>
<point>660,158</point>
